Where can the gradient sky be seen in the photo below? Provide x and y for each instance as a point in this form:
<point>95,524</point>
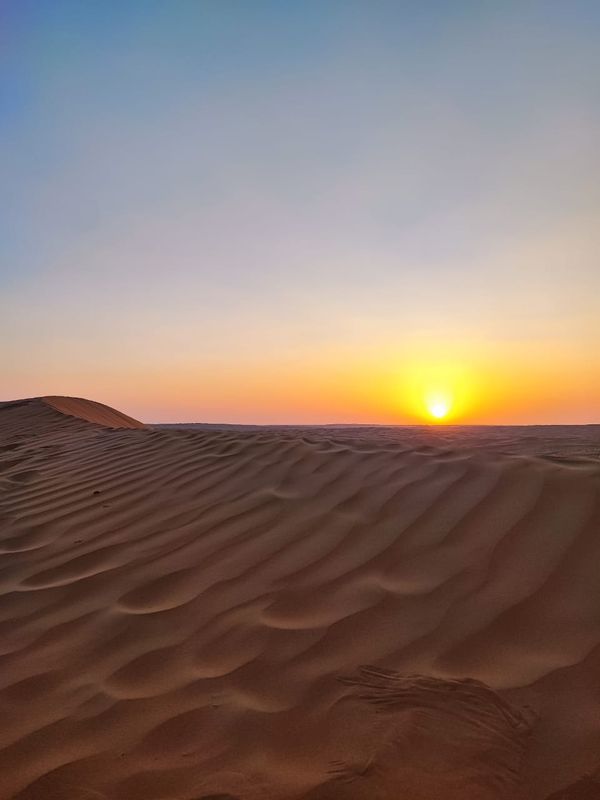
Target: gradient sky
<point>312,211</point>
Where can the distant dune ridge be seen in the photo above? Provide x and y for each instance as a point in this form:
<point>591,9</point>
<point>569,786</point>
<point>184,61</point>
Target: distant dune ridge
<point>294,613</point>
<point>90,411</point>
<point>35,410</point>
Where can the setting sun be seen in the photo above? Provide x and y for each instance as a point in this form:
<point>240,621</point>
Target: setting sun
<point>438,389</point>
<point>438,408</point>
<point>438,403</point>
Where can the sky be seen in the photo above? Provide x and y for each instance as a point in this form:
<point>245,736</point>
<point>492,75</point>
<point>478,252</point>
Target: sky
<point>303,212</point>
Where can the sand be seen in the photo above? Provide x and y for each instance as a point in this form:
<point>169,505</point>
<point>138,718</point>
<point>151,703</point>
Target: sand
<point>295,614</point>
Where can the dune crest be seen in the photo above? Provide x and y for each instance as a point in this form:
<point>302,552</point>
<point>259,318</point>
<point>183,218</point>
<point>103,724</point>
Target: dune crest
<point>42,415</point>
<point>187,614</point>
<point>91,411</point>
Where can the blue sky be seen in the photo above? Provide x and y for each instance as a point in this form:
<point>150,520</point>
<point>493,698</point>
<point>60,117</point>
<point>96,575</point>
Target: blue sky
<point>201,186</point>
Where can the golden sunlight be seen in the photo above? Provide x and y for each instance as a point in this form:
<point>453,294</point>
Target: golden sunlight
<point>438,390</point>
<point>438,408</point>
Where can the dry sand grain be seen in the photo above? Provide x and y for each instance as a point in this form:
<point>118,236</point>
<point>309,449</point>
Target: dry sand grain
<point>200,613</point>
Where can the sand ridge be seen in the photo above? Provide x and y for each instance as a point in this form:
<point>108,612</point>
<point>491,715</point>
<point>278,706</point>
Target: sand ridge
<point>191,614</point>
<point>91,411</point>
<point>49,414</point>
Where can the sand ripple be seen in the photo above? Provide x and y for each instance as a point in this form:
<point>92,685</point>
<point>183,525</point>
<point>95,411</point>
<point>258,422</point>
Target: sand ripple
<point>184,614</point>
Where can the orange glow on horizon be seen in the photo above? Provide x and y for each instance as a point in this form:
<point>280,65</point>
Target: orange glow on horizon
<point>437,391</point>
<point>385,383</point>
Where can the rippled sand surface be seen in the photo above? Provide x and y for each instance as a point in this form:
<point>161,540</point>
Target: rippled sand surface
<point>296,613</point>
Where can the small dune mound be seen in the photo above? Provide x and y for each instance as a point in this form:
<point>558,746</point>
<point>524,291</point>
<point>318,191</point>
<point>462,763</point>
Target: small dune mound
<point>45,416</point>
<point>456,739</point>
<point>91,411</point>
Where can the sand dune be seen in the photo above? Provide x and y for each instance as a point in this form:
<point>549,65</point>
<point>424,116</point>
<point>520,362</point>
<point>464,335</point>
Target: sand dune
<point>90,411</point>
<point>193,614</point>
<point>48,414</point>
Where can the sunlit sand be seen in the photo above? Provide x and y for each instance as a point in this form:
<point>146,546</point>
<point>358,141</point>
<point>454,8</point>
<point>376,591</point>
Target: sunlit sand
<point>319,613</point>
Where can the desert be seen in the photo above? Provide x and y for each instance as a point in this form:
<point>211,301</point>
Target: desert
<point>299,400</point>
<point>321,613</point>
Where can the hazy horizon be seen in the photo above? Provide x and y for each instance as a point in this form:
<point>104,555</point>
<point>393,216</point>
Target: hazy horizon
<point>424,424</point>
<point>287,213</point>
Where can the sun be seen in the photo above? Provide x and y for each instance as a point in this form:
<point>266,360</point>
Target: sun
<point>437,392</point>
<point>437,405</point>
<point>439,409</point>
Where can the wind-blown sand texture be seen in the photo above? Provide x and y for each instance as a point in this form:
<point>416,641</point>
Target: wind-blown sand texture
<point>295,614</point>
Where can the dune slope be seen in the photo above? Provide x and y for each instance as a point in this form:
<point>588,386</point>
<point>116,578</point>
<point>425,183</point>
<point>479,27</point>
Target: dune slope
<point>44,415</point>
<point>195,614</point>
<point>91,411</point>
